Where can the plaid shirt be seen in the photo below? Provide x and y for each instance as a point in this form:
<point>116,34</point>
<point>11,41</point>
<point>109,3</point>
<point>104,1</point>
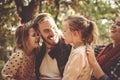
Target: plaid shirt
<point>61,52</point>
<point>114,70</point>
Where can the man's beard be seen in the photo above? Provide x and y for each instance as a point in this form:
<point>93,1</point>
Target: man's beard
<point>46,41</point>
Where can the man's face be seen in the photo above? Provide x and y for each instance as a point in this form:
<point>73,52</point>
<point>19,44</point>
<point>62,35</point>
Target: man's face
<point>49,31</point>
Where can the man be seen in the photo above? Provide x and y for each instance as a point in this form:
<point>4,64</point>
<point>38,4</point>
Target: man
<point>54,53</point>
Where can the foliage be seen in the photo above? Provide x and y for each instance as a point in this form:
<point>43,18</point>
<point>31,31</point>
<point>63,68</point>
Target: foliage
<point>96,10</point>
<point>103,12</point>
<point>8,19</point>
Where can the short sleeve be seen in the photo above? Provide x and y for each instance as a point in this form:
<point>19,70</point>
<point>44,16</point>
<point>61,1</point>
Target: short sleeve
<point>11,67</point>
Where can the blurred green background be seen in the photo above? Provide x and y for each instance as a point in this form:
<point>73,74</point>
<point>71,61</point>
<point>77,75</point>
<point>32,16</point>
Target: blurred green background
<point>14,12</point>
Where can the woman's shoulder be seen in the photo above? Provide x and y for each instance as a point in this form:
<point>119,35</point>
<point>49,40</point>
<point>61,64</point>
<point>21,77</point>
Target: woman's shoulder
<point>17,53</point>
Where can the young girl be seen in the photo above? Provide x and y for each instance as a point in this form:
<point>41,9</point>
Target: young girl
<point>80,32</point>
<point>21,65</point>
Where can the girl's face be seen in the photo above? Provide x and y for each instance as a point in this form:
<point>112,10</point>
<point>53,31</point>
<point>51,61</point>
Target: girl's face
<point>67,34</point>
<point>33,39</point>
<point>71,37</point>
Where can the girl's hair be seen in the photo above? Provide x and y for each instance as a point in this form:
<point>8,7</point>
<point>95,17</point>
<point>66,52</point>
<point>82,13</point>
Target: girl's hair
<point>21,36</point>
<point>88,28</point>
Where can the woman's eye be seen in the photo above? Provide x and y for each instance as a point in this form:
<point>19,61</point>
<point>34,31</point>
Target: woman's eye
<point>34,35</point>
<point>37,34</point>
<point>118,24</point>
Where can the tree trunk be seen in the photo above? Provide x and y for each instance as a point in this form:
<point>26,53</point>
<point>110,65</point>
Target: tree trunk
<point>26,13</point>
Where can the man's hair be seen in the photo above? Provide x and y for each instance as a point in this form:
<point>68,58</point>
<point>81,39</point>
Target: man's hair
<point>40,18</point>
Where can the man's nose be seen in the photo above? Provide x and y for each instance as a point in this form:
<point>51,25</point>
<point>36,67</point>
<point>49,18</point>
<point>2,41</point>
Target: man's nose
<point>51,32</point>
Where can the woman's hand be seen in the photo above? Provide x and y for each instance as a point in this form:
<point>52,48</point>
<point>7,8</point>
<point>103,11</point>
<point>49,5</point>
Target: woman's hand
<point>91,55</point>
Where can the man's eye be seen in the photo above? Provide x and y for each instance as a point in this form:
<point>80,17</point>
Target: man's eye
<point>46,30</point>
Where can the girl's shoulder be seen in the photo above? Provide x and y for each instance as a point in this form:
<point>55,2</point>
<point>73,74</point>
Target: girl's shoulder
<point>79,51</point>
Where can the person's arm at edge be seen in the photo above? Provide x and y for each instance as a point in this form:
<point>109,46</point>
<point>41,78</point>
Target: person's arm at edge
<point>98,72</point>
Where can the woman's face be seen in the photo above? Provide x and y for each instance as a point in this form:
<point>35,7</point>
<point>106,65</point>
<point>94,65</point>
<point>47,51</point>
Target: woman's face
<point>33,39</point>
<point>115,30</point>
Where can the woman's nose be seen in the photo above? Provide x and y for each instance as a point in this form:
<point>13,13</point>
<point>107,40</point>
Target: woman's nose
<point>51,33</point>
<point>113,25</point>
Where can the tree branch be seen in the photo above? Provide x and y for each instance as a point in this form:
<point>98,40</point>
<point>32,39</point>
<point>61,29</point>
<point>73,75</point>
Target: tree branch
<point>26,13</point>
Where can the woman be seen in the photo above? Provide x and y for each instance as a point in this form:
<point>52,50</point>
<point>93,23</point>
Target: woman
<point>21,64</point>
<point>80,32</point>
<point>109,57</point>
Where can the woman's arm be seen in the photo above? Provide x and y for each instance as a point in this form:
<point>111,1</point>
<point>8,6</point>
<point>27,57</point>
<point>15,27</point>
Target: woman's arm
<point>98,72</point>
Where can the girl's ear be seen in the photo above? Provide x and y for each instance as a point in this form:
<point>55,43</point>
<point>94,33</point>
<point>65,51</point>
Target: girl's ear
<point>76,33</point>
